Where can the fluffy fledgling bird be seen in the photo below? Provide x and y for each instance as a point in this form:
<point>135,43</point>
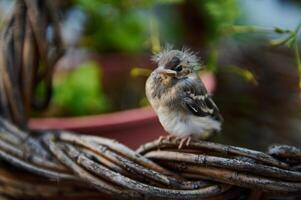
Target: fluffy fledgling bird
<point>179,97</point>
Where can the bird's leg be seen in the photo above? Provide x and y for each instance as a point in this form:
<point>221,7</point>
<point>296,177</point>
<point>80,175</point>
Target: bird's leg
<point>161,138</point>
<point>183,140</point>
<point>168,138</point>
<point>188,141</point>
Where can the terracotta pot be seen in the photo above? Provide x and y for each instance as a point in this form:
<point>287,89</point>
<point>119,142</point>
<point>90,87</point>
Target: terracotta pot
<point>131,127</point>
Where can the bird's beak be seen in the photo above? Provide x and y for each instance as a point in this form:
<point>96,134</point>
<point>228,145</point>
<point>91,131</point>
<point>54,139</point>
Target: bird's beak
<point>167,72</point>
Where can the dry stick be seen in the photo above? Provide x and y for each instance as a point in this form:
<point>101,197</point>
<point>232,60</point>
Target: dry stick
<point>140,187</point>
<point>186,174</point>
<point>42,186</point>
<point>9,143</point>
<point>29,63</point>
<point>245,180</point>
<point>31,149</point>
<point>138,169</point>
<point>258,184</point>
<point>226,149</point>
<point>24,137</point>
<point>106,162</point>
<point>285,151</point>
<point>11,134</point>
<point>17,137</point>
<point>36,160</point>
<point>127,164</point>
<point>31,168</point>
<point>58,41</point>
<point>56,50</point>
<point>10,82</point>
<point>29,183</point>
<point>3,98</point>
<point>18,36</point>
<point>83,174</point>
<point>75,194</point>
<point>226,163</point>
<point>10,49</point>
<point>8,137</point>
<point>145,172</point>
<point>89,141</point>
<point>237,178</point>
<point>57,37</point>
<point>120,149</point>
<point>22,193</point>
<point>55,22</point>
<point>13,129</point>
<point>38,28</point>
<point>25,189</point>
<point>117,168</point>
<point>39,24</point>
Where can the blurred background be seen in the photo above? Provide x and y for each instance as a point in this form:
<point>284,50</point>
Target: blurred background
<point>250,50</point>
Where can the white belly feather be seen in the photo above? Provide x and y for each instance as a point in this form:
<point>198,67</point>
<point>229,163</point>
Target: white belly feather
<point>178,124</point>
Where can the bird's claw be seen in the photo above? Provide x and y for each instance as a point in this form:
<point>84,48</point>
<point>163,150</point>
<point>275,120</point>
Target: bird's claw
<point>183,140</point>
<point>161,138</point>
<point>168,138</point>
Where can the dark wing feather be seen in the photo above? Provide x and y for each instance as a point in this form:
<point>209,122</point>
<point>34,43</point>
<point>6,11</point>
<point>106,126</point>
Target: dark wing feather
<point>194,107</point>
<point>198,102</point>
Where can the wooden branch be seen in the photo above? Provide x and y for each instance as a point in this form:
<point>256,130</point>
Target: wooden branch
<point>226,163</point>
<point>209,146</point>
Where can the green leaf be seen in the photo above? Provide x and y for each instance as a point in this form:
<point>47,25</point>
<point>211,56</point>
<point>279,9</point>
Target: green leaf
<point>80,92</point>
<point>281,31</point>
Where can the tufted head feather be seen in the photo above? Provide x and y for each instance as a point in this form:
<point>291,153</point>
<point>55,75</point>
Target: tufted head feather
<point>168,54</point>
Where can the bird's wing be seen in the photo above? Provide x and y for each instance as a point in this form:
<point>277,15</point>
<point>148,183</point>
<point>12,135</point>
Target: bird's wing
<point>197,101</point>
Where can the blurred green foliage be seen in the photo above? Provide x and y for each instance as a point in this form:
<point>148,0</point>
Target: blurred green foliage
<point>111,27</point>
<point>220,14</point>
<point>118,25</point>
<point>243,73</point>
<point>79,92</point>
<point>132,26</point>
<point>291,40</point>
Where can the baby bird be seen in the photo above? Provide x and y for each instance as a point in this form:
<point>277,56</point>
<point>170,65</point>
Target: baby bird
<point>179,98</point>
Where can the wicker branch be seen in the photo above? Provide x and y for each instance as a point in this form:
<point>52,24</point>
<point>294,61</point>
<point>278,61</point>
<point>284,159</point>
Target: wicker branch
<point>28,58</point>
<point>164,173</point>
<point>60,164</point>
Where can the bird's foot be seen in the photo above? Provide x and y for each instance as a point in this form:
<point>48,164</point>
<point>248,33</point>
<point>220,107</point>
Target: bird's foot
<point>168,138</point>
<point>181,140</point>
<point>185,140</point>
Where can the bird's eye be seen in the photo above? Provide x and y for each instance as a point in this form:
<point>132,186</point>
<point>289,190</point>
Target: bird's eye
<point>178,68</point>
<point>173,63</point>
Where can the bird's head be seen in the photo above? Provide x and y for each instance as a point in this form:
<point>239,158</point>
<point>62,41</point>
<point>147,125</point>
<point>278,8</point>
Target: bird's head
<point>175,63</point>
